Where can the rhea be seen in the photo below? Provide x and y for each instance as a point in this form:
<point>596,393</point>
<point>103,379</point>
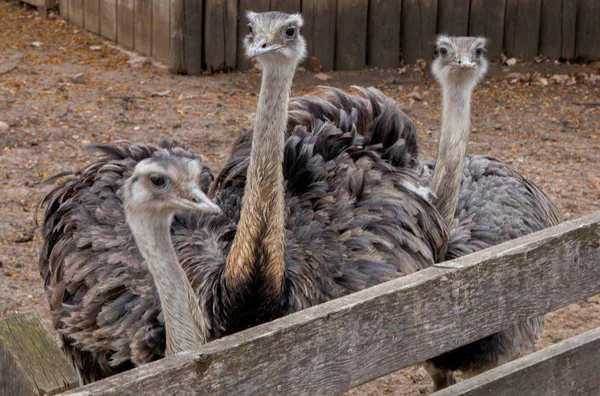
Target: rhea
<point>305,219</point>
<point>482,200</point>
<point>160,187</point>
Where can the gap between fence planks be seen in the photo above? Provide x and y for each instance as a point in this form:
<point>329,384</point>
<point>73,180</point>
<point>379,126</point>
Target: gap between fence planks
<point>568,368</point>
<point>31,362</point>
<point>348,341</point>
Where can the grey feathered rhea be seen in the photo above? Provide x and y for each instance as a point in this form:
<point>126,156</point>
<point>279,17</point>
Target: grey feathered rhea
<point>333,224</point>
<point>495,203</point>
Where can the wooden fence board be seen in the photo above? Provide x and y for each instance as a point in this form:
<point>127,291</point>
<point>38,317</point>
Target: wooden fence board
<point>108,19</point>
<point>220,38</point>
<point>320,26</point>
<point>192,36</point>
<point>487,19</point>
<point>161,30</point>
<point>242,63</point>
<point>522,28</point>
<point>63,8</point>
<point>31,362</point>
<point>569,28</point>
<point>289,6</point>
<point>125,23</point>
<point>419,22</point>
<point>176,47</point>
<point>91,15</point>
<point>453,17</point>
<point>570,367</point>
<point>550,28</point>
<point>383,41</point>
<point>338,345</point>
<point>76,12</point>
<point>351,34</point>
<point>588,29</point>
<point>143,26</point>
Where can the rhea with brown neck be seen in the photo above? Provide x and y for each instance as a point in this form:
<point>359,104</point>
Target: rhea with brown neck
<point>458,66</point>
<point>160,187</point>
<point>274,41</point>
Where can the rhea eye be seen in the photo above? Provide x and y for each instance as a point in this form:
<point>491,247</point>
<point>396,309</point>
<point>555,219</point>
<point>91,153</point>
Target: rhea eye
<point>290,32</point>
<point>479,52</point>
<point>158,181</point>
<point>443,51</point>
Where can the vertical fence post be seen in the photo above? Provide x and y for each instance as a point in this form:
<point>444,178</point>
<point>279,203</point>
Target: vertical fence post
<point>383,41</point>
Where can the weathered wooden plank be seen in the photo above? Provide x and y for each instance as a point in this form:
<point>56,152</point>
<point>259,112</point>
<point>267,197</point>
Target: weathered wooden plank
<point>319,32</point>
<point>143,26</point>
<point>176,52</point>
<point>63,9</point>
<point>242,63</point>
<point>161,30</point>
<point>345,342</point>
<point>419,22</point>
<point>569,28</point>
<point>588,29</point>
<point>108,19</point>
<point>91,15</point>
<point>522,28</point>
<point>487,19</point>
<point>30,361</point>
<point>351,34</point>
<point>125,23</point>
<point>550,28</point>
<point>453,17</point>
<point>289,6</point>
<point>220,38</point>
<point>383,40</point>
<point>76,12</point>
<point>192,36</point>
<point>570,367</point>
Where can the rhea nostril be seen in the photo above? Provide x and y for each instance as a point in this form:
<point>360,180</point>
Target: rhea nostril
<point>264,45</point>
<point>459,62</point>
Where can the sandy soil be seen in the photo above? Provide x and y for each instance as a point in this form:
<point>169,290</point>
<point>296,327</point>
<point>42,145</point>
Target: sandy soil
<point>549,133</point>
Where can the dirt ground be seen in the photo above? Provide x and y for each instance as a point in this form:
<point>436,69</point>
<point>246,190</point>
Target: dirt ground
<point>551,133</point>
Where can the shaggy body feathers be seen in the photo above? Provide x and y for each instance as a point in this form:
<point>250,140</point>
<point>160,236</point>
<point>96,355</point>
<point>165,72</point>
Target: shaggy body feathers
<point>348,226</point>
<point>495,204</point>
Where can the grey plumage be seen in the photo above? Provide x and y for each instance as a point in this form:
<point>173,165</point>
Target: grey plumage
<point>496,203</point>
<point>339,238</point>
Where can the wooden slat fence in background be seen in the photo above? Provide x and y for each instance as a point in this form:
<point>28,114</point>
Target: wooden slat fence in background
<point>343,343</point>
<point>207,35</point>
<point>418,29</point>
<point>383,40</point>
<point>487,19</point>
<point>351,34</point>
<point>320,25</point>
<point>108,19</point>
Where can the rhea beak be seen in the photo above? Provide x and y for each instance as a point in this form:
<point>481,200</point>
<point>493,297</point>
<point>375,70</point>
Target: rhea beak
<point>465,62</point>
<point>261,46</point>
<point>196,201</point>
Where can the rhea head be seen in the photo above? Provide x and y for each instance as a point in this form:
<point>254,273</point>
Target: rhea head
<point>459,61</point>
<point>275,37</point>
<point>166,184</point>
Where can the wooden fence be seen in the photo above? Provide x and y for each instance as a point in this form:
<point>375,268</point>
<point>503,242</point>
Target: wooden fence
<point>195,36</point>
<point>343,343</point>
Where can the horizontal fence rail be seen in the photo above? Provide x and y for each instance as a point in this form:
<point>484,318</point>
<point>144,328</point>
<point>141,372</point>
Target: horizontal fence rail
<point>570,367</point>
<point>341,344</point>
<point>196,36</point>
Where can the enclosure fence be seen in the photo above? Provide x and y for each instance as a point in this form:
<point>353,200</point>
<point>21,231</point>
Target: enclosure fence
<point>196,36</point>
<point>338,345</point>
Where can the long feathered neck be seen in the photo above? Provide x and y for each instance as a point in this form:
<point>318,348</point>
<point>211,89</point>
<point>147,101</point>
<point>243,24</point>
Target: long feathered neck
<point>259,244</point>
<point>452,147</point>
<point>184,324</point>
